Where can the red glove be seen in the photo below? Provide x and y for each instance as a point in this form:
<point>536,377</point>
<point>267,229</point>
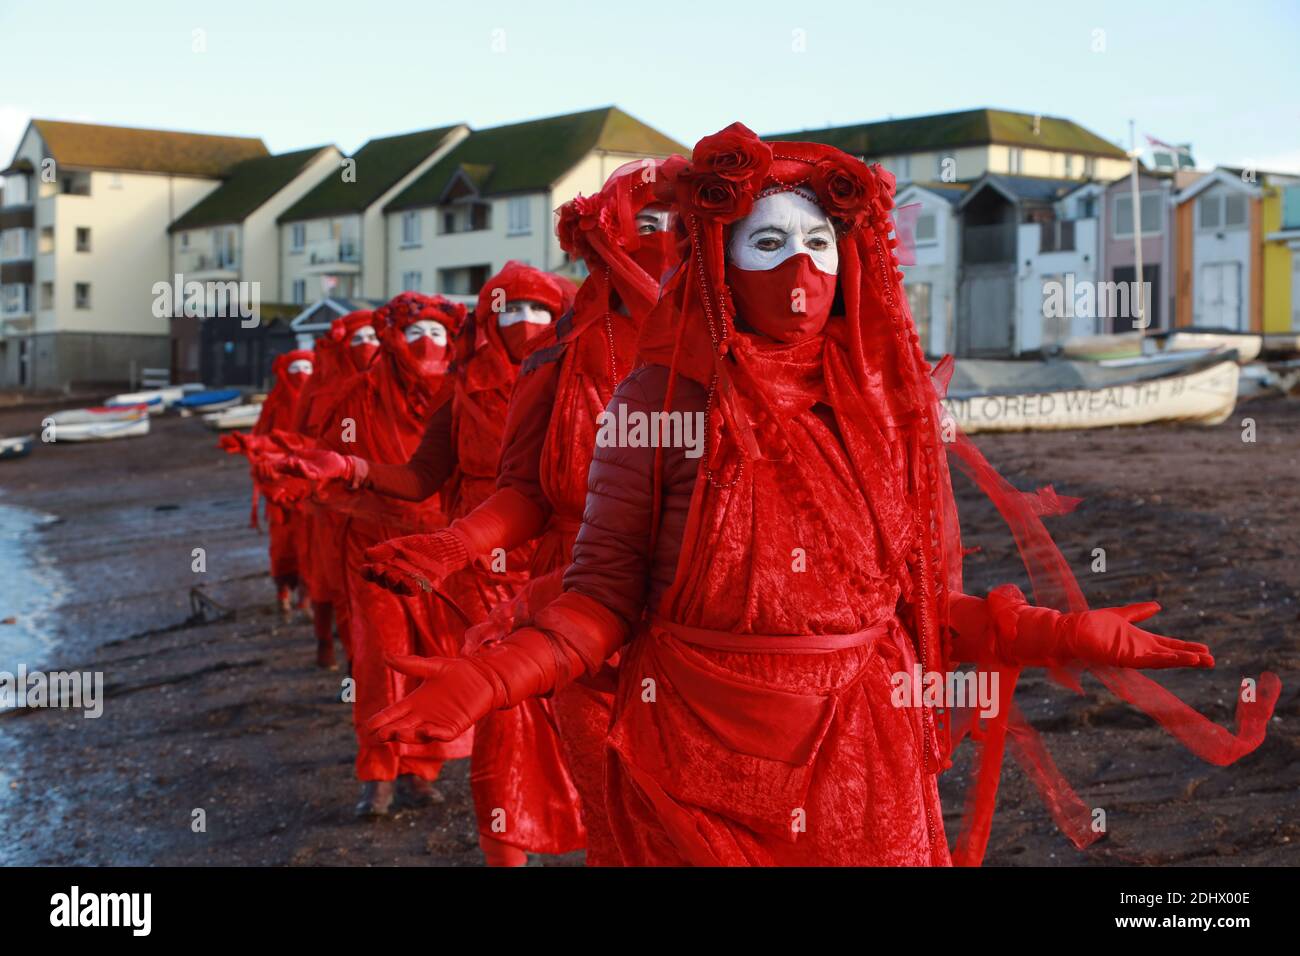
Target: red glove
<point>574,634</point>
<point>506,520</point>
<point>321,467</point>
<point>1011,630</point>
<point>415,562</point>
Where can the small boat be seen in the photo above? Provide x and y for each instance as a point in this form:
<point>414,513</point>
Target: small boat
<point>237,416</point>
<point>989,395</point>
<point>101,430</point>
<point>1282,345</point>
<point>158,399</point>
<point>99,413</point>
<point>1247,344</point>
<point>19,447</point>
<point>208,401</point>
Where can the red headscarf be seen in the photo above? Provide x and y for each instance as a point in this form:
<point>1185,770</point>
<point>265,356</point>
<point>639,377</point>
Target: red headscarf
<point>489,364</point>
<point>280,408</point>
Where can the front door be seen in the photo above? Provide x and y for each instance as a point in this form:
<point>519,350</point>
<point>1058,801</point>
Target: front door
<point>1219,296</point>
<point>988,313</point>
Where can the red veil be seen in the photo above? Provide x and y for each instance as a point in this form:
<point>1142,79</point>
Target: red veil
<point>886,401</point>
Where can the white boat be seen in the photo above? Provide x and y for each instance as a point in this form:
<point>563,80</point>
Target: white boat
<point>158,399</point>
<point>1246,344</point>
<point>989,396</point>
<point>101,430</point>
<point>239,416</point>
<point>100,413</point>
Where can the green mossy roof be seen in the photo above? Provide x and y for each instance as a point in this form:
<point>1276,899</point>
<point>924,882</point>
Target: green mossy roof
<point>531,156</point>
<point>954,130</point>
<point>380,164</point>
<point>91,146</point>
<point>250,184</point>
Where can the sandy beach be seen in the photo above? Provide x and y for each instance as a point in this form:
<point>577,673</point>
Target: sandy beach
<point>231,717</point>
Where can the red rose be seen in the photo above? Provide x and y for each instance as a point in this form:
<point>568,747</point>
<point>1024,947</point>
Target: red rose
<point>736,153</point>
<point>711,196</point>
<point>846,188</point>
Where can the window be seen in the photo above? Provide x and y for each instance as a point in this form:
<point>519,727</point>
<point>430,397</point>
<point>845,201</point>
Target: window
<point>46,244</point>
<point>83,238</point>
<point>15,299</point>
<point>1151,214</point>
<point>297,237</point>
<point>16,191</point>
<point>1069,167</point>
<point>75,184</point>
<point>1221,211</point>
<point>81,295</point>
<point>918,301</point>
<point>466,217</point>
<point>467,280</point>
<point>448,222</point>
<point>1089,167</point>
<point>47,295</point>
<point>927,229</point>
<point>518,217</point>
<point>1015,160</point>
<point>299,291</point>
<point>411,281</point>
<point>410,229</point>
<point>185,241</point>
<point>901,167</point>
<point>1086,208</point>
<point>15,244</point>
<point>115,181</point>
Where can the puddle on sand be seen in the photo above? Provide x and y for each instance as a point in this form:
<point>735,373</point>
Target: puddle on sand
<point>31,587</point>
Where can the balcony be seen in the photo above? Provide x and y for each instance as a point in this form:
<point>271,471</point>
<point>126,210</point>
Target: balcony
<point>985,245</point>
<point>206,264</point>
<point>16,245</point>
<point>337,256</point>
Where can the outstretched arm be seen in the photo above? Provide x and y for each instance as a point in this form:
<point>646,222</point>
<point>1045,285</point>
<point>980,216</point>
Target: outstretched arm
<point>1004,627</point>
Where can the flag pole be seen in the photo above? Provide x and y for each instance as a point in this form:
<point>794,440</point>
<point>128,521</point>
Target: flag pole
<point>1140,307</point>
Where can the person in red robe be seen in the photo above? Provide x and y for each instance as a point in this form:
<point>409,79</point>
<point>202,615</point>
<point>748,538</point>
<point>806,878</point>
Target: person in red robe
<point>344,352</point>
<point>381,417</point>
<point>292,372</point>
<point>516,313</point>
<point>549,750</point>
<point>771,584</point>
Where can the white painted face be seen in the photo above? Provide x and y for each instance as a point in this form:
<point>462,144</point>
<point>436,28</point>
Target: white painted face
<point>300,365</point>
<point>655,218</point>
<point>522,310</point>
<point>365,336</point>
<point>779,226</point>
<point>427,328</point>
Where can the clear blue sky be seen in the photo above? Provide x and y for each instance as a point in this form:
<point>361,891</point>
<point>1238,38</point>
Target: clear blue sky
<point>1224,76</point>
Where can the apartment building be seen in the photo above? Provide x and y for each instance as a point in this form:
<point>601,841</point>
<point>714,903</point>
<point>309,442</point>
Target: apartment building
<point>492,197</point>
<point>230,239</point>
<point>963,146</point>
<point>332,240</point>
<point>83,240</point>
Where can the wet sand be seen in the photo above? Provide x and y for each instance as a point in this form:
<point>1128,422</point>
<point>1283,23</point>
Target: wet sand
<point>232,718</point>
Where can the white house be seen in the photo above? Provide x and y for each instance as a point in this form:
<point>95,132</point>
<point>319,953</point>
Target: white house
<point>492,197</point>
<point>1021,255</point>
<point>1218,270</point>
<point>332,240</point>
<point>931,282</point>
<point>84,240</point>
<point>230,239</point>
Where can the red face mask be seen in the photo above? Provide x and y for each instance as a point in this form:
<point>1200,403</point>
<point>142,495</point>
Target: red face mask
<point>362,355</point>
<point>519,338</point>
<point>428,354</point>
<point>655,253</point>
<point>298,379</point>
<point>788,302</point>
